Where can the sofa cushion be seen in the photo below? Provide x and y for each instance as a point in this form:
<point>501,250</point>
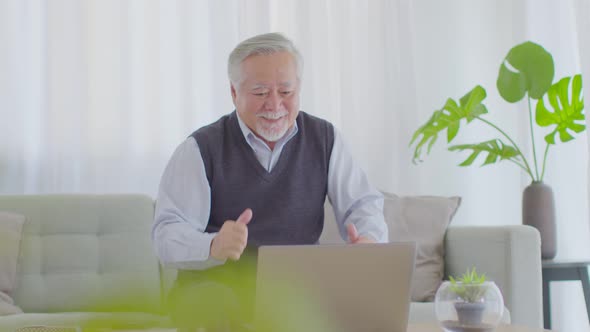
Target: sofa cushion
<point>423,219</point>
<point>11,225</point>
<point>86,253</point>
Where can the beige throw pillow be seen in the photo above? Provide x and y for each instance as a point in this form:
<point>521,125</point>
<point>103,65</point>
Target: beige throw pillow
<point>11,225</point>
<point>423,219</point>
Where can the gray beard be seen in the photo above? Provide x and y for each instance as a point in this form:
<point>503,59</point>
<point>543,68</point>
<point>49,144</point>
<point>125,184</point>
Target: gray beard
<point>271,135</point>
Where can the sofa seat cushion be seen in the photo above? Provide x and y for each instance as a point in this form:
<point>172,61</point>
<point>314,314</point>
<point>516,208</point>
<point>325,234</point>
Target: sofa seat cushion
<point>120,320</point>
<point>423,312</point>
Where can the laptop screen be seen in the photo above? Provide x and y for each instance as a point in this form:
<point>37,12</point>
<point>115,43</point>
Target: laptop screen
<point>362,287</point>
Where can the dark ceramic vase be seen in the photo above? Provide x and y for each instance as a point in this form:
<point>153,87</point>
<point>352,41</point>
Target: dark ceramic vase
<point>538,210</point>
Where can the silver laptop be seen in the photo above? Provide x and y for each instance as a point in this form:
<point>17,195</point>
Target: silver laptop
<point>351,288</point>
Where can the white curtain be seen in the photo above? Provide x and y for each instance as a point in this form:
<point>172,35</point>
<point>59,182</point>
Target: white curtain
<point>96,94</point>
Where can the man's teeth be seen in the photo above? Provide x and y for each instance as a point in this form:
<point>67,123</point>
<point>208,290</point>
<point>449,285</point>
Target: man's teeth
<point>272,116</point>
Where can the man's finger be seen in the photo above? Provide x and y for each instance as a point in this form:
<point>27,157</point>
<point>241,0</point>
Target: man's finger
<point>239,242</point>
<point>353,234</point>
<point>245,217</point>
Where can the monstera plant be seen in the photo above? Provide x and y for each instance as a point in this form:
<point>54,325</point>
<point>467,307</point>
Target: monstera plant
<point>525,73</point>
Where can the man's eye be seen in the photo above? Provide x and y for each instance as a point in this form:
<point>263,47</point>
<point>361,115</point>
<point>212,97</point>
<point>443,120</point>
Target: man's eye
<point>286,93</point>
<point>261,94</point>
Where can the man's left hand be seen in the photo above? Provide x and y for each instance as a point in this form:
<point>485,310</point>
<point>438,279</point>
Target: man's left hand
<point>354,238</point>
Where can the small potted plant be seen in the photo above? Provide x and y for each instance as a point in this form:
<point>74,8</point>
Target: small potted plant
<point>470,289</point>
<point>469,302</point>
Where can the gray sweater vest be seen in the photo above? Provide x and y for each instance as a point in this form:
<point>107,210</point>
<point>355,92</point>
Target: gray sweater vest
<point>287,203</point>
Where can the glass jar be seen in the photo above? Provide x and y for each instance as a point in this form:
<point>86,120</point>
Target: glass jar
<point>464,307</point>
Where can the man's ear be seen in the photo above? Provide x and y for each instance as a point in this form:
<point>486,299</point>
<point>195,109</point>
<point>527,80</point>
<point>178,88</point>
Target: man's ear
<point>233,93</point>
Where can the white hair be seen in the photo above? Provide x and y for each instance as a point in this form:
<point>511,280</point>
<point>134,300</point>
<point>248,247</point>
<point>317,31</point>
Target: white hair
<point>265,44</point>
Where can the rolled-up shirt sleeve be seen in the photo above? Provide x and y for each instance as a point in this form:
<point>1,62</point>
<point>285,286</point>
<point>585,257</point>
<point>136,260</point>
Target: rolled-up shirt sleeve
<point>182,212</point>
<point>353,198</point>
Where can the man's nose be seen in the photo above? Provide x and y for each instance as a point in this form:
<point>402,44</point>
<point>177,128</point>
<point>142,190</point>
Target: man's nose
<point>273,101</point>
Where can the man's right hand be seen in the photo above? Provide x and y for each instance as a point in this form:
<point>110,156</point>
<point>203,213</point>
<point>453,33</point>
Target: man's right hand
<point>231,240</point>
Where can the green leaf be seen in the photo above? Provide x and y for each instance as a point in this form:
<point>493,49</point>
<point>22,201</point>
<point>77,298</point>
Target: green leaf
<point>528,67</point>
<point>496,151</point>
<point>449,118</point>
<point>567,115</point>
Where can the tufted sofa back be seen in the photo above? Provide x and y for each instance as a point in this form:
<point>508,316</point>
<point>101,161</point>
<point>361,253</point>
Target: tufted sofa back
<point>86,253</point>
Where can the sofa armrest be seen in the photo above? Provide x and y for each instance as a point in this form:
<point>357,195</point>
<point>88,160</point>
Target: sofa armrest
<point>508,255</point>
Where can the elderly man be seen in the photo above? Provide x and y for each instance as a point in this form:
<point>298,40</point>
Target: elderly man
<point>259,175</point>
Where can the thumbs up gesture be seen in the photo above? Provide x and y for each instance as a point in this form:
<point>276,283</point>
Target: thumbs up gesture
<point>232,238</point>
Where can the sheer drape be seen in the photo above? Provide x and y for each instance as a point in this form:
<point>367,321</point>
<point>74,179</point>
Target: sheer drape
<point>96,94</point>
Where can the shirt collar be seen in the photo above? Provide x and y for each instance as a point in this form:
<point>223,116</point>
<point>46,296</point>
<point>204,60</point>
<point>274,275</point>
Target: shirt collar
<point>251,138</point>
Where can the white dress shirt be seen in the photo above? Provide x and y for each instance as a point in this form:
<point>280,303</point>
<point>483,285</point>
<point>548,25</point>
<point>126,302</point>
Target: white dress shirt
<point>184,200</point>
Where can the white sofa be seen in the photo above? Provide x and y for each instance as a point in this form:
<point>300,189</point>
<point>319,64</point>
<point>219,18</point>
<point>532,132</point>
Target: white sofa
<point>89,258</point>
